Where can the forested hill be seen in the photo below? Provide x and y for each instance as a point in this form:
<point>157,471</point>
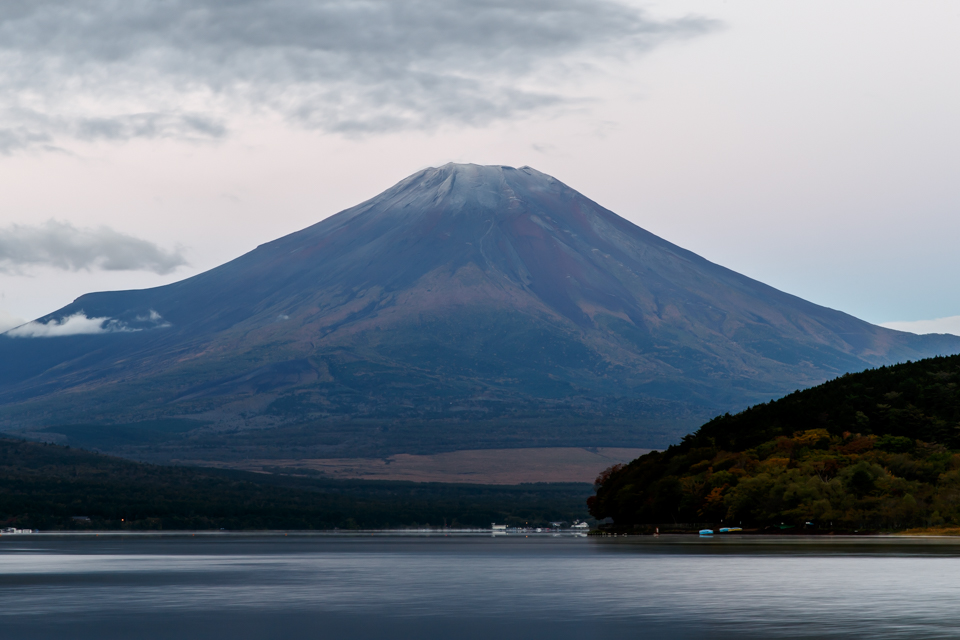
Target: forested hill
<point>877,449</point>
<point>918,400</point>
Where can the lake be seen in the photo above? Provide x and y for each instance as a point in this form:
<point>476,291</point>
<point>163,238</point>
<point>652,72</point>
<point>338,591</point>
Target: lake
<point>474,586</point>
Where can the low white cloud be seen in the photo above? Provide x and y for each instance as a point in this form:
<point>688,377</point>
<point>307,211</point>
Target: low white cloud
<point>937,325</point>
<point>8,321</point>
<point>153,318</point>
<point>79,324</point>
<point>64,246</point>
<point>75,325</point>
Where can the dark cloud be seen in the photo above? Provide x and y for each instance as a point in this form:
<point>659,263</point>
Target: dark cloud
<point>146,125</point>
<point>63,246</point>
<point>34,129</point>
<point>17,137</point>
<point>117,70</point>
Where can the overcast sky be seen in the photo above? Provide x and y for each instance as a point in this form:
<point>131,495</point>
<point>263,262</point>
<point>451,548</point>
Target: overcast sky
<point>814,146</point>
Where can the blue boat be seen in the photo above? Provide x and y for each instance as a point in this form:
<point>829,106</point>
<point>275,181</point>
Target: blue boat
<point>706,532</point>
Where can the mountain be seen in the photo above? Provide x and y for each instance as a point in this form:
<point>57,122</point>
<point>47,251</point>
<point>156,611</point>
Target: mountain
<point>466,307</point>
<point>875,450</point>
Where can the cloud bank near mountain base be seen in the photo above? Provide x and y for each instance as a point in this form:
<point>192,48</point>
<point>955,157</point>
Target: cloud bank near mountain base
<point>79,324</point>
<point>75,325</point>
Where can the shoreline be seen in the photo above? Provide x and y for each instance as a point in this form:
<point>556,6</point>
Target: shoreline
<point>741,537</point>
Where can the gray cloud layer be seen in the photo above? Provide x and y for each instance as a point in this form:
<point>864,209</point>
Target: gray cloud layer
<point>178,68</point>
<point>61,245</point>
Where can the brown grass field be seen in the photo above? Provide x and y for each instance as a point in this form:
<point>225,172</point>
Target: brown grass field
<point>943,530</point>
<point>482,466</point>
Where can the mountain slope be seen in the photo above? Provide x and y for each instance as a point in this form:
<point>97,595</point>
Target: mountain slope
<point>465,307</point>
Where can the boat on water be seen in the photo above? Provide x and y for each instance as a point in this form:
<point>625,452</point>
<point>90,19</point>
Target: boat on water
<point>706,532</point>
<point>730,529</point>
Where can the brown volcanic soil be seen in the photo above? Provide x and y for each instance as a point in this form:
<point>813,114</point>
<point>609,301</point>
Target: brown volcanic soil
<point>488,466</point>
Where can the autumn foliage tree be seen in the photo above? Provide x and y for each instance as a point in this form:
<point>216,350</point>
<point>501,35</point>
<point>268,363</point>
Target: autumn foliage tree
<point>879,449</point>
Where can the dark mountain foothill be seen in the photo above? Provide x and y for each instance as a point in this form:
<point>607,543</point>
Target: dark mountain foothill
<point>467,307</point>
<point>49,487</point>
<point>873,450</point>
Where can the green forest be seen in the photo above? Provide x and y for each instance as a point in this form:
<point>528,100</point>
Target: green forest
<point>871,451</point>
<point>50,487</point>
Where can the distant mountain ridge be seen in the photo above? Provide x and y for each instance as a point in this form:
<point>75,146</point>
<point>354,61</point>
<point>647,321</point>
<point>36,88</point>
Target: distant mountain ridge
<point>465,307</point>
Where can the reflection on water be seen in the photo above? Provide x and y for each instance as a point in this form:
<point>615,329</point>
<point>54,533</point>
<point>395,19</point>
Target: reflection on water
<point>473,587</point>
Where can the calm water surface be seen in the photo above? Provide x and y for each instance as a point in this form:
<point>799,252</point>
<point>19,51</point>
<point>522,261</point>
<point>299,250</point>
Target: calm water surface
<point>275,586</point>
